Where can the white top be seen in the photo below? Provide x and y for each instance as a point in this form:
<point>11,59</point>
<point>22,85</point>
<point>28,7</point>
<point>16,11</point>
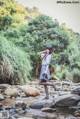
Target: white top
<point>46,60</point>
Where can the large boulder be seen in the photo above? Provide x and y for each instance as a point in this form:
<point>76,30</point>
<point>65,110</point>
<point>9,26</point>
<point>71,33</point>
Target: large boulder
<point>30,91</point>
<point>76,90</point>
<point>67,100</point>
<point>41,104</point>
<point>12,92</point>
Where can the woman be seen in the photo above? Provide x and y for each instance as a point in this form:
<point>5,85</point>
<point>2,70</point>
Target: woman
<point>45,71</point>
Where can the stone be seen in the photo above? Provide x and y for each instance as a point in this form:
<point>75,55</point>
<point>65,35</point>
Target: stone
<point>71,117</point>
<point>25,118</point>
<point>66,100</point>
<point>30,91</point>
<point>76,90</point>
<point>3,86</point>
<point>47,109</point>
<point>78,103</point>
<point>74,108</point>
<point>1,97</point>
<point>77,113</point>
<point>45,116</point>
<point>12,92</point>
<point>20,111</point>
<point>41,104</point>
<point>20,104</point>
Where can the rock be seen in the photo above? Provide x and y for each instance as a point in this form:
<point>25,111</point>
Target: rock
<point>41,104</point>
<point>66,100</point>
<point>46,116</point>
<point>1,97</point>
<point>4,114</point>
<point>12,92</point>
<point>65,87</point>
<point>3,86</point>
<point>8,107</point>
<point>29,100</point>
<point>76,90</point>
<point>71,117</point>
<point>25,118</point>
<point>20,104</point>
<point>78,104</point>
<point>30,91</point>
<point>47,109</point>
<point>77,113</point>
<point>20,111</point>
<point>37,105</point>
<point>74,108</point>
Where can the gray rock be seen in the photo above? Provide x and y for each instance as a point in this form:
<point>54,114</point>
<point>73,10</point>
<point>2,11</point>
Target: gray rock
<point>78,104</point>
<point>76,90</point>
<point>45,116</point>
<point>67,100</point>
<point>41,104</point>
<point>71,117</point>
<point>20,104</point>
<point>3,86</point>
<point>1,97</point>
<point>74,108</point>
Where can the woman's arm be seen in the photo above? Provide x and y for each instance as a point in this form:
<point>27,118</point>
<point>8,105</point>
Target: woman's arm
<point>39,53</point>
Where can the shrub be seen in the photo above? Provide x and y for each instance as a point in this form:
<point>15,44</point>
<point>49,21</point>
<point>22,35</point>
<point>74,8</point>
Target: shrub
<point>14,63</point>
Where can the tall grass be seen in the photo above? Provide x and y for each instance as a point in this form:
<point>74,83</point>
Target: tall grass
<point>15,64</point>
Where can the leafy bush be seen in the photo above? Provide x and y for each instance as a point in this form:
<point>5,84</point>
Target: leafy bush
<point>76,75</point>
<point>14,63</point>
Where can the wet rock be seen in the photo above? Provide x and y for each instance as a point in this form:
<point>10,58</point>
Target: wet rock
<point>76,90</point>
<point>71,117</point>
<point>30,91</point>
<point>78,104</point>
<point>66,100</point>
<point>29,100</point>
<point>11,117</point>
<point>47,109</point>
<point>41,104</point>
<point>8,107</point>
<point>64,93</point>
<point>12,92</point>
<point>1,97</point>
<point>74,108</point>
<point>20,111</point>
<point>25,118</point>
<point>46,116</point>
<point>20,104</point>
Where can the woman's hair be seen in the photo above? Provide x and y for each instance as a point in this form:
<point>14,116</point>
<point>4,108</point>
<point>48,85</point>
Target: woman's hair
<point>50,47</point>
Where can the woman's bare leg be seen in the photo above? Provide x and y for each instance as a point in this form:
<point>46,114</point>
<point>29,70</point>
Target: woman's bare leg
<point>46,91</point>
<point>48,83</point>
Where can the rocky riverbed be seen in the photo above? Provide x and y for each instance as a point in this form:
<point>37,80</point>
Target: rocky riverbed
<point>27,101</point>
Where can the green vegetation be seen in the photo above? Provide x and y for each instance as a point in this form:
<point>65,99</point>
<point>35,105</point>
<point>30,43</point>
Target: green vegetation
<point>20,43</point>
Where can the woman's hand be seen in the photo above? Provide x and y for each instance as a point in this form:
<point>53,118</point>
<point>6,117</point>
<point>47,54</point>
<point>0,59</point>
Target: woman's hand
<point>45,72</point>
